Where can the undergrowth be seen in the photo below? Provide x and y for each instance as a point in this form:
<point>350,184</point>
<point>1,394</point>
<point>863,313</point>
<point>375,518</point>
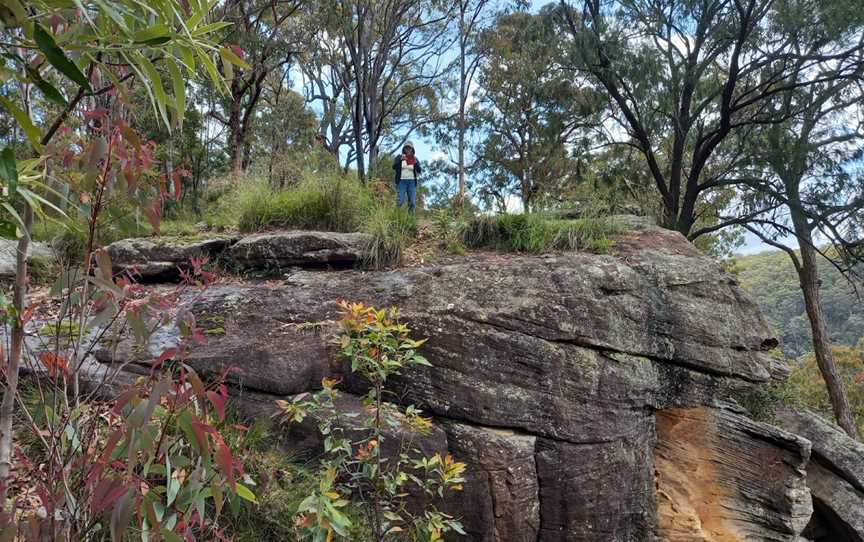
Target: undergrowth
<point>283,481</point>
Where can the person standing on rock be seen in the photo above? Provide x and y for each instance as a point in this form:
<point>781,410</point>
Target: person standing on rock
<point>407,169</point>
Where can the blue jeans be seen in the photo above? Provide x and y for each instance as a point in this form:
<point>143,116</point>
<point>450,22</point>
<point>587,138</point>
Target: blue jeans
<point>406,189</point>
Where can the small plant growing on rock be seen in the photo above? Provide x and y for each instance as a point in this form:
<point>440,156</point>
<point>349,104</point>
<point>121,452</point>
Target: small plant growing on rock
<point>370,456</point>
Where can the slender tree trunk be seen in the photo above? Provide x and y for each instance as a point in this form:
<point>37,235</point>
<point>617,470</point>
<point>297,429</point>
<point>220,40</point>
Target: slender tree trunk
<point>460,198</point>
<point>809,279</point>
<point>10,390</point>
<point>235,137</point>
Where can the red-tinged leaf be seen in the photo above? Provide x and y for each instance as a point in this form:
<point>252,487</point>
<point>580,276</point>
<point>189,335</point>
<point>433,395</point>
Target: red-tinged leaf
<point>153,212</point>
<point>103,260</point>
<point>121,516</point>
<point>169,353</point>
<point>225,462</point>
<point>97,113</point>
<point>178,187</point>
<point>112,494</point>
<point>27,314</point>
<point>113,439</point>
<point>54,363</point>
<point>201,430</point>
<point>197,385</point>
<point>123,399</point>
<point>218,400</point>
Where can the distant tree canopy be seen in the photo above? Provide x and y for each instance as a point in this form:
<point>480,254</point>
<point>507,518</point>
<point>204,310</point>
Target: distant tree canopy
<point>773,283</point>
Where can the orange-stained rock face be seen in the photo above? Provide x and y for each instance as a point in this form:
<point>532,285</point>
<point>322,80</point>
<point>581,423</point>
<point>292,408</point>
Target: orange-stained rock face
<point>711,488</point>
<point>689,500</point>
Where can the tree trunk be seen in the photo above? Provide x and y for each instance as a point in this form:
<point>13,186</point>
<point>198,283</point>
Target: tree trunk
<point>235,137</point>
<point>16,347</point>
<point>460,198</point>
<point>809,279</point>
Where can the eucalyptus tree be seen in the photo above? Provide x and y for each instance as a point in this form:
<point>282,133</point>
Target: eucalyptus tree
<point>262,41</point>
<point>474,16</point>
<point>804,184</point>
<point>528,112</point>
<point>683,77</point>
<point>394,53</point>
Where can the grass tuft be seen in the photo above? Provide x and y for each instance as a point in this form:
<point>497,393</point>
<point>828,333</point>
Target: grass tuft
<point>392,230</point>
<point>333,204</point>
<point>534,232</point>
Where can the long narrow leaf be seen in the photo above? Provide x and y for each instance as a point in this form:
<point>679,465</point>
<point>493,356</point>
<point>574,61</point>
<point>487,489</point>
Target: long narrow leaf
<point>156,84</point>
<point>9,170</point>
<point>48,90</point>
<point>24,122</point>
<point>179,90</point>
<point>58,58</point>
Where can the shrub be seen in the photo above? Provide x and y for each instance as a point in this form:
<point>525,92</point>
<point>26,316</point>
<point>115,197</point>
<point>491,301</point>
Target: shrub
<point>378,347</point>
<point>531,232</point>
<point>391,230</point>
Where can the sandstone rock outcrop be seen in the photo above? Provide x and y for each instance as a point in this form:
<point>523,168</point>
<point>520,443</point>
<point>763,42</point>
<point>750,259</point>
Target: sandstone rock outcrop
<point>835,476</point>
<point>277,250</point>
<point>588,394</point>
<point>158,258</point>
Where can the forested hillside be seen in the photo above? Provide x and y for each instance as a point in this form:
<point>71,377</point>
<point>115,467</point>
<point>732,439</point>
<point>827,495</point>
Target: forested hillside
<point>771,279</point>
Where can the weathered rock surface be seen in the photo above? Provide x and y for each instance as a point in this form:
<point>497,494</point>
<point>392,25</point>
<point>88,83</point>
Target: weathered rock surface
<point>277,250</point>
<point>501,483</point>
<point>835,477</point>
<point>161,258</point>
<point>9,251</point>
<point>578,388</point>
<point>723,476</point>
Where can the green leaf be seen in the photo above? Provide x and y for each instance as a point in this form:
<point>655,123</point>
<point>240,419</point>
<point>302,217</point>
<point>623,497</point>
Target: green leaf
<point>208,28</point>
<point>9,170</point>
<point>12,13</point>
<point>24,121</point>
<point>179,90</point>
<point>153,35</point>
<point>47,88</point>
<point>19,222</point>
<point>229,56</point>
<point>58,58</point>
<point>246,493</point>
<point>217,79</point>
<point>188,57</point>
<point>156,84</point>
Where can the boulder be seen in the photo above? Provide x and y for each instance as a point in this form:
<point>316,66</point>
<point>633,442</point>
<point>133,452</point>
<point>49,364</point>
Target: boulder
<point>835,477</point>
<point>153,259</point>
<point>563,381</point>
<point>272,252</point>
<point>9,251</point>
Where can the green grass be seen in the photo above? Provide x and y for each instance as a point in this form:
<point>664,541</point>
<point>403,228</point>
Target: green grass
<point>392,230</point>
<point>332,203</point>
<point>538,233</point>
<point>282,482</point>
